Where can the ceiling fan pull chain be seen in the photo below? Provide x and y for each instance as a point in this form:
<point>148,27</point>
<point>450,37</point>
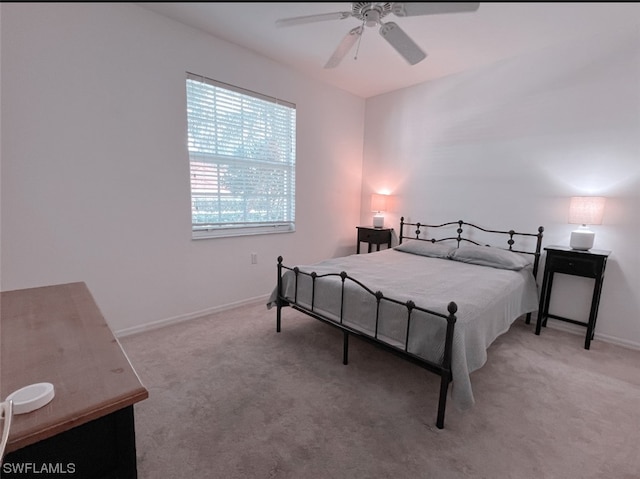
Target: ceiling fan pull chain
<point>359,40</point>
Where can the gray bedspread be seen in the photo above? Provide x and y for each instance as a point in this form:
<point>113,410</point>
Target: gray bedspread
<point>488,299</point>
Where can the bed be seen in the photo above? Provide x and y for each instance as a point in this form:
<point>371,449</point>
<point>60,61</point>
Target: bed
<point>438,299</point>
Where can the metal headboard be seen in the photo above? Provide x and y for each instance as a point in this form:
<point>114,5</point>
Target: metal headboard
<point>460,238</point>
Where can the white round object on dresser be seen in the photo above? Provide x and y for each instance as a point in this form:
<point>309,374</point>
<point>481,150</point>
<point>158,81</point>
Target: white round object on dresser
<point>32,397</point>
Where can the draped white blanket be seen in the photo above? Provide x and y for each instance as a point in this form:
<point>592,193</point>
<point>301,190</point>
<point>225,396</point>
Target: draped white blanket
<point>488,300</point>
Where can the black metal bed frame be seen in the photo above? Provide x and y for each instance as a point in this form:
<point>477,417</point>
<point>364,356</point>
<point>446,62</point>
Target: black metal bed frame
<point>442,368</point>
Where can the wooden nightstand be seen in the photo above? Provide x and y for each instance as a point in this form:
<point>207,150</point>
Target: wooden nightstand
<point>374,236</point>
<point>588,264</point>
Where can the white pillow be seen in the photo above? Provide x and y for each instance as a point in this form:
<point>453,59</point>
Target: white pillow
<point>426,248</point>
<point>488,256</point>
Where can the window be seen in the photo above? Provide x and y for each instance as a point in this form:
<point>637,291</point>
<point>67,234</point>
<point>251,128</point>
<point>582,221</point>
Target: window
<point>242,156</point>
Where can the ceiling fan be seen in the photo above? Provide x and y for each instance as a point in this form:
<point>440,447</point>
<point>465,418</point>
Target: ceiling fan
<point>371,15</point>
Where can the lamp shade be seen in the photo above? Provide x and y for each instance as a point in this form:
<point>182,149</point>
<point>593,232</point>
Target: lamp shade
<point>378,202</point>
<point>586,210</point>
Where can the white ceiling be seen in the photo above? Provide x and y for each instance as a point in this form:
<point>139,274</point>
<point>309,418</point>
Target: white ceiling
<point>453,42</point>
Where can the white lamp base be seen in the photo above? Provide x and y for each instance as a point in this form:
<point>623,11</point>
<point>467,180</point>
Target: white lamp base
<point>378,221</point>
<point>582,239</point>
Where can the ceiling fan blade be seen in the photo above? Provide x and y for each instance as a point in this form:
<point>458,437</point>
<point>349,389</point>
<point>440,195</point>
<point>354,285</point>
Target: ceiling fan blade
<point>412,9</point>
<point>399,40</point>
<point>345,45</point>
<point>321,17</point>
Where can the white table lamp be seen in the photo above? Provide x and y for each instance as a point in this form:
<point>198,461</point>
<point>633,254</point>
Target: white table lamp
<point>378,206</point>
<point>584,211</point>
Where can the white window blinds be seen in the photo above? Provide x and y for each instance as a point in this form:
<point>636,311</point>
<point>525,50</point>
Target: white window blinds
<point>242,155</point>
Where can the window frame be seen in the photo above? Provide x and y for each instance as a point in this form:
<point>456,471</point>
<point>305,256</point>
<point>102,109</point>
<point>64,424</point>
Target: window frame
<point>282,166</point>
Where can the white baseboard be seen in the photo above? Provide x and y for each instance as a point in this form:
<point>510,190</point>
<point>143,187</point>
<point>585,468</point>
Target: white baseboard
<point>186,317</point>
<point>568,327</point>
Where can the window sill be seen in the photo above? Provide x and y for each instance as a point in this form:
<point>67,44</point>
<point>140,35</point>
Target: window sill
<point>231,232</point>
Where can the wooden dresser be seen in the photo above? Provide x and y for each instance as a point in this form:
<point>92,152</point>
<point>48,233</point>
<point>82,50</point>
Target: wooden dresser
<point>57,334</point>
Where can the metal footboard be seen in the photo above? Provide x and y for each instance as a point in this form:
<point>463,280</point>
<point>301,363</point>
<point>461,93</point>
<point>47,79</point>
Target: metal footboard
<point>442,368</point>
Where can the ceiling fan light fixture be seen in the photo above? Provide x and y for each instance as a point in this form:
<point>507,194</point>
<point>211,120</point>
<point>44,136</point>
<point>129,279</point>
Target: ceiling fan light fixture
<point>371,18</point>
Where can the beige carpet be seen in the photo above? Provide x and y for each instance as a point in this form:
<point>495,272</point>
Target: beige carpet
<point>231,398</point>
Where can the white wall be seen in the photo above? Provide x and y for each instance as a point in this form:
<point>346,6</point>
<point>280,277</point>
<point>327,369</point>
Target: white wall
<point>506,146</point>
<point>95,180</point>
